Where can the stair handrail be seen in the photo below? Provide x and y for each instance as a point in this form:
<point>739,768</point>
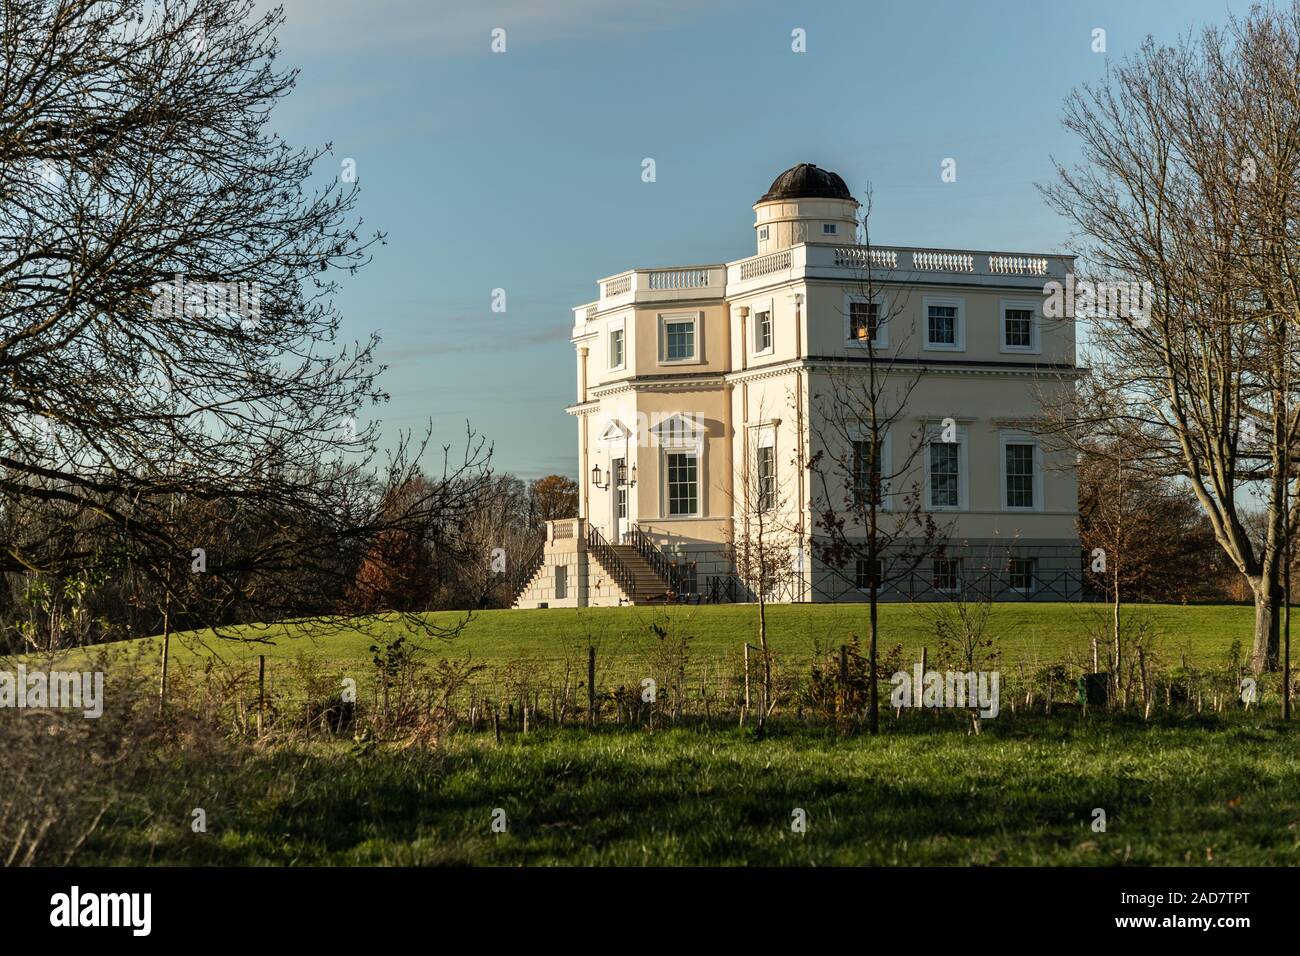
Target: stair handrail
<point>612,563</point>
<point>532,564</point>
<point>660,564</point>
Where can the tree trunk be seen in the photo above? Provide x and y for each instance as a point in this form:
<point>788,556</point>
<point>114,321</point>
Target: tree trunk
<point>767,664</point>
<point>166,657</point>
<point>873,703</point>
<point>1264,651</point>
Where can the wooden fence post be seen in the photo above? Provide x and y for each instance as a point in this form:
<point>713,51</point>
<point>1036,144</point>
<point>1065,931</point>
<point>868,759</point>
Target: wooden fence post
<point>745,706</point>
<point>844,677</point>
<point>261,691</point>
<point>591,687</point>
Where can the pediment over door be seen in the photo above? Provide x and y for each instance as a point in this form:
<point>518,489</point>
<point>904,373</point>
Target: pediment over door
<point>679,431</point>
<point>615,432</point>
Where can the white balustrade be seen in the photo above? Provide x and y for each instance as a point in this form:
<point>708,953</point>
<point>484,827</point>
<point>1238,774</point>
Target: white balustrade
<point>765,265</point>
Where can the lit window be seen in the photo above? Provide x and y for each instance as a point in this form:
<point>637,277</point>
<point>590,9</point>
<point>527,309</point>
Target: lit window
<point>683,484</point>
<point>616,348</point>
<point>766,478</point>
<point>864,319</point>
<point>945,474</point>
<point>762,331</point>
<point>1020,476</point>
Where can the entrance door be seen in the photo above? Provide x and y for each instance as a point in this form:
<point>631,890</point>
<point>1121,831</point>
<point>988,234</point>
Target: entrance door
<point>618,481</point>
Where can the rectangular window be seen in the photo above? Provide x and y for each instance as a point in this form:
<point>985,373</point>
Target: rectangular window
<point>941,325</point>
<point>866,473</point>
<point>616,348</point>
<point>689,578</point>
<point>947,575</point>
<point>561,581</point>
<point>679,340</point>
<point>863,577</point>
<point>945,474</point>
<point>1020,476</point>
<point>619,467</point>
<point>762,232</point>
<point>1018,327</point>
<point>864,317</point>
<point>1021,574</point>
<point>829,229</point>
<point>766,478</point>
<point>683,484</point>
<point>763,331</point>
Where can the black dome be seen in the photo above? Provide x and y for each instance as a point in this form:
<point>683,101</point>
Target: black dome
<point>806,181</point>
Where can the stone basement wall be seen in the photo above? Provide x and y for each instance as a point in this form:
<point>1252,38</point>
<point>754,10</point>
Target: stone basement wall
<point>1058,574</point>
<point>588,584</point>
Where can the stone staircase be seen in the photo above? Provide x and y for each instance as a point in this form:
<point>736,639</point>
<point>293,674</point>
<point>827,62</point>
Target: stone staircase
<point>646,587</point>
<point>598,573</point>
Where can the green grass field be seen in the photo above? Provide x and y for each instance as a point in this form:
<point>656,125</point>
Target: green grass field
<point>1184,787</point>
<point>1026,632</point>
<point>1201,791</point>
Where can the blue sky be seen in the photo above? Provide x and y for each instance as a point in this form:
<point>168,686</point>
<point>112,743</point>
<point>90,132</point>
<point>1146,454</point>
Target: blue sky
<point>522,170</point>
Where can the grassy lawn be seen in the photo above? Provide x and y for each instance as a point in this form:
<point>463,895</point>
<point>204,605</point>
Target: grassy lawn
<point>1026,632</point>
<point>1185,787</point>
<point>1192,791</point>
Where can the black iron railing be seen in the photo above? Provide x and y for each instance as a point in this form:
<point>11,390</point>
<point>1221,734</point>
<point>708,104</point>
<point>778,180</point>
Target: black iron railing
<point>1060,585</point>
<point>611,562</point>
<point>661,566</point>
<point>528,568</point>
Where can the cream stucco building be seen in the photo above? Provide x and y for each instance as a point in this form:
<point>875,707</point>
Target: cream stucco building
<point>702,388</point>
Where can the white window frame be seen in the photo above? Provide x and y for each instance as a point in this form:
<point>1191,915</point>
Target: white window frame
<point>1033,580</point>
<point>1015,437</point>
<point>699,468</point>
<point>675,318</point>
<point>762,233</point>
<point>830,229</point>
<point>764,436</point>
<point>960,582</point>
<point>880,582</point>
<point>620,328</point>
<point>934,433</point>
<point>881,341</point>
<point>755,310</point>
<point>959,332</point>
<point>674,440</point>
<point>1035,326</point>
<point>886,462</point>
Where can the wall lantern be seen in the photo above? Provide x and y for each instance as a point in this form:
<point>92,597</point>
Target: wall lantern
<point>596,476</point>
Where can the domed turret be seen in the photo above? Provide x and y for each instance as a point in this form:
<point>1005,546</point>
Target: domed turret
<point>805,204</point>
<point>807,181</point>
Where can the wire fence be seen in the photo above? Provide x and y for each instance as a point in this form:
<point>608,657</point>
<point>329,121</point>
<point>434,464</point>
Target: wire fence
<point>666,686</point>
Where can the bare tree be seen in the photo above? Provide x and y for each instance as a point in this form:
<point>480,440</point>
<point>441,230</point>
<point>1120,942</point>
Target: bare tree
<point>867,504</point>
<point>1188,193</point>
<point>767,549</point>
<point>167,328</point>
